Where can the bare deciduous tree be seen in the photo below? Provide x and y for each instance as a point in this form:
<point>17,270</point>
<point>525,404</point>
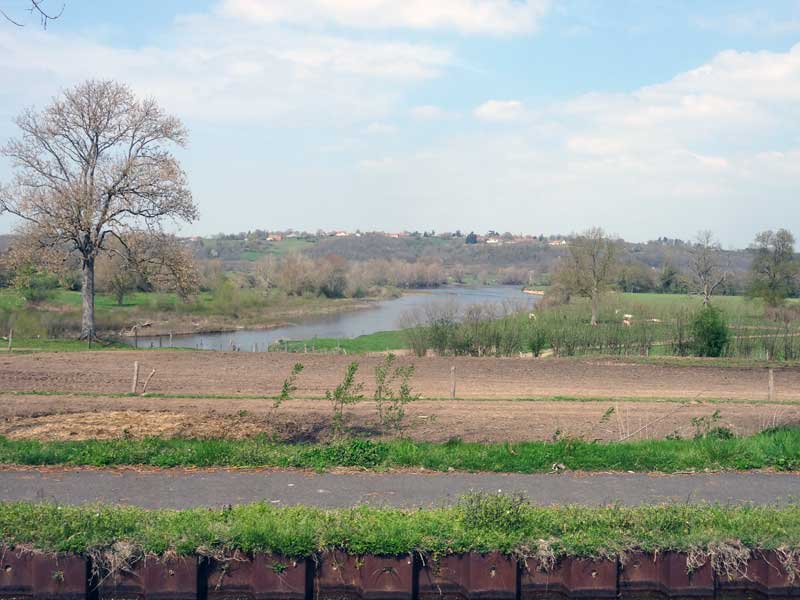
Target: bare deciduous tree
<point>588,268</point>
<point>92,167</point>
<point>773,273</point>
<point>37,9</point>
<point>706,265</point>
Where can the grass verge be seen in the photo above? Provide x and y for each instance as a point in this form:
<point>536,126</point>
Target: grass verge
<point>478,523</point>
<point>603,399</point>
<point>27,345</point>
<point>380,341</point>
<point>777,449</point>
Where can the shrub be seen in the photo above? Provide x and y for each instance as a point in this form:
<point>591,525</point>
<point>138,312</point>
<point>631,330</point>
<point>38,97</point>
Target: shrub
<point>289,385</point>
<point>347,392</point>
<point>537,340</point>
<point>34,285</point>
<point>709,332</point>
<point>390,402</point>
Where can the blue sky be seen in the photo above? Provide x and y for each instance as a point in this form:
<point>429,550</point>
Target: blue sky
<point>645,117</point>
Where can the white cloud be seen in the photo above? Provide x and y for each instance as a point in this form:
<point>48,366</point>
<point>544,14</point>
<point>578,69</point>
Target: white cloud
<point>500,110</point>
<point>715,147</point>
<point>377,163</point>
<point>748,23</point>
<point>428,111</point>
<point>378,128</point>
<point>220,70</point>
<point>467,16</point>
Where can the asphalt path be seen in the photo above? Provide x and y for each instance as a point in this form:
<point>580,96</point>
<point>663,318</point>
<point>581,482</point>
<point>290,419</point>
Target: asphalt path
<point>184,489</point>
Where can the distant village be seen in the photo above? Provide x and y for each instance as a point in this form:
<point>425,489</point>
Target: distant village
<point>490,238</point>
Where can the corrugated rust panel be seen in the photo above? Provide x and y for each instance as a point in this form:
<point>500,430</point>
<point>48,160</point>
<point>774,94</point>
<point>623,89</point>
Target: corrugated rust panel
<point>338,577</point>
<point>341,577</point>
<point>40,577</point>
<point>152,579</point>
<point>570,578</point>
<point>469,577</point>
<point>664,576</point>
<point>387,578</point>
<point>764,577</point>
<point>262,577</point>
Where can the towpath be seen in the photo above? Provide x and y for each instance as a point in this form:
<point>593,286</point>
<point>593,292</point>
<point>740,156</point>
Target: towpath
<point>184,489</point>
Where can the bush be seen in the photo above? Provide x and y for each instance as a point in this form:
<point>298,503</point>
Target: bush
<point>34,285</point>
<point>710,333</point>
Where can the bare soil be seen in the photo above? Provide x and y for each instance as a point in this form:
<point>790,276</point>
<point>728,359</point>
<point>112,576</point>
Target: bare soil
<point>83,404</point>
<point>77,418</point>
<point>262,374</point>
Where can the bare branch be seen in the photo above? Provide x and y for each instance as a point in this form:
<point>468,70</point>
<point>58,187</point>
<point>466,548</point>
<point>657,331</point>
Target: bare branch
<point>37,9</point>
<point>96,166</point>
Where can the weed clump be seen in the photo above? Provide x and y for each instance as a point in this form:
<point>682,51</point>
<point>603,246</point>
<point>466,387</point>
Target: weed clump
<point>504,512</point>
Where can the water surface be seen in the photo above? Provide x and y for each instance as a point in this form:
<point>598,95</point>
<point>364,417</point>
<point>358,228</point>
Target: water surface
<point>384,315</point>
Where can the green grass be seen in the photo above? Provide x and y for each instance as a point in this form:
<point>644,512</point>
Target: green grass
<point>477,401</point>
<point>477,523</point>
<point>373,342</point>
<point>23,345</point>
<point>778,449</point>
<point>10,299</point>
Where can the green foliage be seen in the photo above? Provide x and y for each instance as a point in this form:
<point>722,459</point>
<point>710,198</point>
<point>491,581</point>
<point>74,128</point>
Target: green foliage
<point>778,448</point>
<point>537,340</point>
<point>35,285</point>
<point>709,332</point>
<point>346,393</point>
<point>479,525</point>
<point>373,342</point>
<point>504,512</point>
<point>392,392</point>
<point>289,385</point>
<point>365,454</point>
<point>707,427</point>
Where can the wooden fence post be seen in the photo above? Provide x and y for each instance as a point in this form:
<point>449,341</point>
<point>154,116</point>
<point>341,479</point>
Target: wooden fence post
<point>771,385</point>
<point>453,382</point>
<point>10,337</point>
<point>146,381</point>
<point>135,382</point>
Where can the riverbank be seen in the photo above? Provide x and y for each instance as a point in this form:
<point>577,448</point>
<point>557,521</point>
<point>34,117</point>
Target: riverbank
<point>161,314</point>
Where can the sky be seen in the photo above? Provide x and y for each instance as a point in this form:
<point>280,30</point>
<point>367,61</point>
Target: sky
<point>648,118</point>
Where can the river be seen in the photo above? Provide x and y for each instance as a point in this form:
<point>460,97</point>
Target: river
<point>383,315</point>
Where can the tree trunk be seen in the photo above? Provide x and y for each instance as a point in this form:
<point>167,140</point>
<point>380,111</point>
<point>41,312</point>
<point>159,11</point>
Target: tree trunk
<point>595,300</point>
<point>87,300</point>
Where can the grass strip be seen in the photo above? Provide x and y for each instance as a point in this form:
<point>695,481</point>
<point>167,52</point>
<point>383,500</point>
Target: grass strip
<point>634,399</point>
<point>380,341</point>
<point>478,523</point>
<point>778,449</point>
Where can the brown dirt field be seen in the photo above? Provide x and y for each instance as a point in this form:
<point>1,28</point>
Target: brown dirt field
<point>240,374</point>
<point>485,411</point>
<point>75,418</point>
